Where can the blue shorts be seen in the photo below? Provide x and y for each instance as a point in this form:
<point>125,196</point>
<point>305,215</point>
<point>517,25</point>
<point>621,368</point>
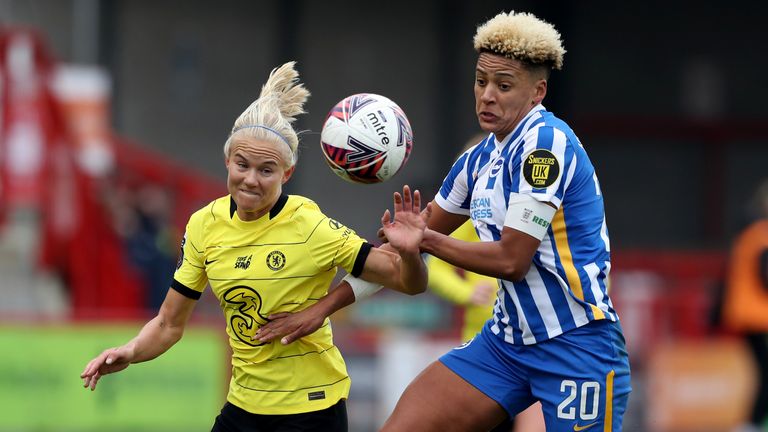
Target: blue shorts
<point>581,377</point>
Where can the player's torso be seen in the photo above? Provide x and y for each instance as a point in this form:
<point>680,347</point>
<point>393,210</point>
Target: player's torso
<point>566,283</point>
<point>498,174</point>
<point>260,269</point>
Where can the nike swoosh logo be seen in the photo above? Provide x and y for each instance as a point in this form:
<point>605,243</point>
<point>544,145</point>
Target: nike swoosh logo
<point>210,262</point>
<point>578,428</point>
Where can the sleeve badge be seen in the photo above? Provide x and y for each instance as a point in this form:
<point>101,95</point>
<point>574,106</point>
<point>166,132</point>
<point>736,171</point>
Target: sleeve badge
<point>541,168</point>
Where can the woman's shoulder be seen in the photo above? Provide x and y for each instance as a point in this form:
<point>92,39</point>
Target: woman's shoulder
<point>304,212</point>
<point>300,205</point>
<point>218,208</point>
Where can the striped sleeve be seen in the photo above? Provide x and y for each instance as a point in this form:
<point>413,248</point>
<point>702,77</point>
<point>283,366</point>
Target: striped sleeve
<point>546,165</point>
<point>454,193</point>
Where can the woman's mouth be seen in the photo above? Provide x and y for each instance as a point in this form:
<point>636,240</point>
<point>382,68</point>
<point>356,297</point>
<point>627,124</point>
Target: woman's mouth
<point>249,193</point>
<point>487,117</point>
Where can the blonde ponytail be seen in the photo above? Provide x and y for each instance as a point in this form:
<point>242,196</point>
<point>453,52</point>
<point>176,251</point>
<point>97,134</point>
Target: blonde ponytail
<point>270,116</point>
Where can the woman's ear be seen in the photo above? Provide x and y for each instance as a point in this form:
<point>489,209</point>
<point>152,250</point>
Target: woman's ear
<point>288,173</point>
<point>540,91</point>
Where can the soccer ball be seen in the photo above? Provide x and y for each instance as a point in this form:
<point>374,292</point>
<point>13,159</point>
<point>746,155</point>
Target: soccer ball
<point>366,138</point>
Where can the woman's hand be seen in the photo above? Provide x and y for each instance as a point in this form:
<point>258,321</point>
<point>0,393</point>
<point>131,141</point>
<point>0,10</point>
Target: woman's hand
<point>110,361</point>
<point>290,326</point>
<point>405,231</point>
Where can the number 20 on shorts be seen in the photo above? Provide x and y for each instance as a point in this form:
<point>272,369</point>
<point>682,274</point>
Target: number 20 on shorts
<point>588,395</point>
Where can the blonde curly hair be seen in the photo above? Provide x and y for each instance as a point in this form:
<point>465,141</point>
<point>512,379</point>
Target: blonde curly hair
<point>521,36</point>
<point>270,117</point>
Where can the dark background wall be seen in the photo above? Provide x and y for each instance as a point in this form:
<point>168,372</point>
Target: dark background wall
<point>667,97</point>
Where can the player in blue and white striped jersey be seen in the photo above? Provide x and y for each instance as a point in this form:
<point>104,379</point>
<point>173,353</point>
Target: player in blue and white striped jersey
<point>519,183</point>
<point>534,199</point>
<point>533,196</point>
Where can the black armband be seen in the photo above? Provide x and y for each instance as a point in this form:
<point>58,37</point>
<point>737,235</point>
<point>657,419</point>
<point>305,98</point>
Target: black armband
<point>185,290</point>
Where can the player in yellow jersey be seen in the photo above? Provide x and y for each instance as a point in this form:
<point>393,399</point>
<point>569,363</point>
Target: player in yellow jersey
<point>472,291</point>
<point>267,254</point>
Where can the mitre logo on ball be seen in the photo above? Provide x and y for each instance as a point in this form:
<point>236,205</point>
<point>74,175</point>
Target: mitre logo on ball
<point>366,138</point>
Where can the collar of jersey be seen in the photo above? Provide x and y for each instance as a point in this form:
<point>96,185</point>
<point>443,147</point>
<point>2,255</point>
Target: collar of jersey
<point>519,130</point>
<point>273,212</point>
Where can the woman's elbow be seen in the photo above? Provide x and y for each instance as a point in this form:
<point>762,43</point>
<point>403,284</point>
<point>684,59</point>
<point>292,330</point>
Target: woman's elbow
<point>515,271</point>
<point>409,289</point>
<point>178,333</point>
<point>172,334</point>
<point>417,289</point>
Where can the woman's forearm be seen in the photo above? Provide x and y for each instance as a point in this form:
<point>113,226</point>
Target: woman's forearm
<point>156,337</point>
<point>485,258</point>
<point>413,273</point>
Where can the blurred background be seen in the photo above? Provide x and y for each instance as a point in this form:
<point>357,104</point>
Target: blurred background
<point>113,115</point>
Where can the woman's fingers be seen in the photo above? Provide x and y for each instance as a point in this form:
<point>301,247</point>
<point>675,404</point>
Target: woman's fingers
<point>398,201</point>
<point>407,198</point>
<point>416,201</point>
<point>385,221</point>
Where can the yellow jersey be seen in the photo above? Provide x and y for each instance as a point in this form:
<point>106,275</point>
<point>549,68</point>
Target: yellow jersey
<point>456,285</point>
<point>282,262</point>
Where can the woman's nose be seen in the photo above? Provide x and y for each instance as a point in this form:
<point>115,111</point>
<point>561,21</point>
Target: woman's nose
<point>251,178</point>
<point>488,95</point>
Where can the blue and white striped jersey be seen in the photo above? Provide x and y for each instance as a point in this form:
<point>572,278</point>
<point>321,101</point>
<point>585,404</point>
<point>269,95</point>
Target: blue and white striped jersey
<point>566,286</point>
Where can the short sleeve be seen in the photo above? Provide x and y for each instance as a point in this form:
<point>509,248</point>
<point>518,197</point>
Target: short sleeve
<point>190,278</point>
<point>332,244</point>
<point>454,193</point>
<point>545,166</point>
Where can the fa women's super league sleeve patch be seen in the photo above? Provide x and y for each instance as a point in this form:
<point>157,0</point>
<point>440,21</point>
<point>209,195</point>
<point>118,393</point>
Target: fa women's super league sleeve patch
<point>181,254</point>
<point>540,168</point>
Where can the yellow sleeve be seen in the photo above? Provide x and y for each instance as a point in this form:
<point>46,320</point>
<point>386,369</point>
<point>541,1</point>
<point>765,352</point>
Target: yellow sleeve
<point>445,281</point>
<point>332,244</point>
<point>190,278</point>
